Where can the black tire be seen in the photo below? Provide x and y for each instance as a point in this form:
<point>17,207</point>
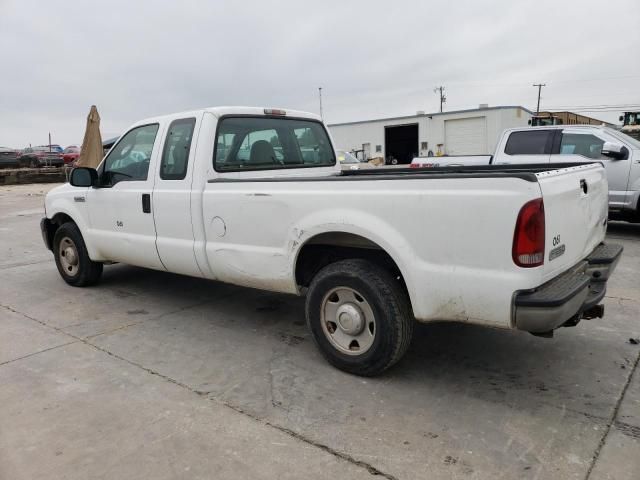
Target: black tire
<point>85,271</point>
<point>390,306</point>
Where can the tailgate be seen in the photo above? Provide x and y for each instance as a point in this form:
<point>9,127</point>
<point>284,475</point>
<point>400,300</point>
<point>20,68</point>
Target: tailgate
<point>576,209</point>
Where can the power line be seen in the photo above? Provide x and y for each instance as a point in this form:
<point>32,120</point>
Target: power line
<point>588,110</point>
<point>595,108</point>
<point>600,105</point>
<point>520,84</point>
<point>597,79</point>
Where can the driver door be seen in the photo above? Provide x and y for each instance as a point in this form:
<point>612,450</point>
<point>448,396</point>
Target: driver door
<point>120,210</point>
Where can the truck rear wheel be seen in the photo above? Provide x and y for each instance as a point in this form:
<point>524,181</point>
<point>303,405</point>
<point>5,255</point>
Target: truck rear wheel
<point>72,259</point>
<point>359,316</point>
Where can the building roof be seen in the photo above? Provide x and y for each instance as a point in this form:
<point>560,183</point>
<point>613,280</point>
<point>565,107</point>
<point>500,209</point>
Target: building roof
<point>548,113</point>
<point>406,117</point>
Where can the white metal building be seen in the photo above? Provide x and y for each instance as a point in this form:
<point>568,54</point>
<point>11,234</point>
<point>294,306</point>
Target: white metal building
<point>462,132</point>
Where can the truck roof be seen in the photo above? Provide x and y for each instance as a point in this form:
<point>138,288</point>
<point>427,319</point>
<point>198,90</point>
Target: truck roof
<point>221,111</point>
<point>560,127</point>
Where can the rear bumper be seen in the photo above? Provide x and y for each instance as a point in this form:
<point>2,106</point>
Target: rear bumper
<point>567,297</point>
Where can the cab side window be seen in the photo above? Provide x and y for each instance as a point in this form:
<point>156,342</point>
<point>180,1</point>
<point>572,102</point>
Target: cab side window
<point>530,142</point>
<point>588,146</point>
<point>129,159</point>
<point>175,156</point>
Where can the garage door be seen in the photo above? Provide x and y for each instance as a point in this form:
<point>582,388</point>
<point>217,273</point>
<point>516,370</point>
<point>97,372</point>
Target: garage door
<point>466,136</point>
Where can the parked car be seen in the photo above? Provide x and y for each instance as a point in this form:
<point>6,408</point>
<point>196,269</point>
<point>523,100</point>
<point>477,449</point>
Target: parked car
<point>70,154</point>
<point>40,156</point>
<point>618,152</point>
<point>54,147</point>
<point>373,250</point>
<point>9,157</point>
<point>348,161</point>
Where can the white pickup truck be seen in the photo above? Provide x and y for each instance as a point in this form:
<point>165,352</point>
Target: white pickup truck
<point>255,197</point>
<point>618,152</point>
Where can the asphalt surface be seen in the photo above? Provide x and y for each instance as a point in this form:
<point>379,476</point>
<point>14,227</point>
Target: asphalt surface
<point>154,375</point>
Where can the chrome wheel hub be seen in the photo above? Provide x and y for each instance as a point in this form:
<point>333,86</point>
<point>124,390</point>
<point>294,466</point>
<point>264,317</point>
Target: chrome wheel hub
<point>348,321</point>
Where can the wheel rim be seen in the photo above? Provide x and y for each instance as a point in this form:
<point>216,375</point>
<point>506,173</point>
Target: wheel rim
<point>348,321</point>
<point>68,254</point>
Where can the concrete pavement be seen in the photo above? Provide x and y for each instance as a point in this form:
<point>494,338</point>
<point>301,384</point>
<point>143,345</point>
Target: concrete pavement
<point>154,375</point>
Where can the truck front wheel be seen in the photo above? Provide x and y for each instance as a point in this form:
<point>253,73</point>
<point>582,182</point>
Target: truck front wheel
<point>72,259</point>
<point>359,316</point>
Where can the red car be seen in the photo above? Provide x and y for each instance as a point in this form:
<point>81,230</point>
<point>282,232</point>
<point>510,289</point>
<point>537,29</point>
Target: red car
<point>70,154</point>
<point>41,156</point>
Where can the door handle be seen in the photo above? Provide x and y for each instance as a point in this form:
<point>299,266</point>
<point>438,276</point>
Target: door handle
<point>583,186</point>
<point>146,203</point>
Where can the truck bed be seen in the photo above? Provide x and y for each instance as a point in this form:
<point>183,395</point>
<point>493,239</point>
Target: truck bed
<point>523,171</point>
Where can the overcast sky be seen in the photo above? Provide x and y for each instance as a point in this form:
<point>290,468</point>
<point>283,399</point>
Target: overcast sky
<point>136,59</point>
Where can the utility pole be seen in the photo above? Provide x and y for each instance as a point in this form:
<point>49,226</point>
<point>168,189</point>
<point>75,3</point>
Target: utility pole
<point>539,85</point>
<point>443,98</point>
<point>320,96</point>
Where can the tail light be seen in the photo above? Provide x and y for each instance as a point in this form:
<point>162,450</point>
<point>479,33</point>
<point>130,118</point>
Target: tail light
<point>528,239</point>
<point>414,165</point>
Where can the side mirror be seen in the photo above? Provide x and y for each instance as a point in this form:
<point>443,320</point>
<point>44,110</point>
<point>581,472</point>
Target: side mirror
<point>621,118</point>
<point>614,150</point>
<point>83,177</point>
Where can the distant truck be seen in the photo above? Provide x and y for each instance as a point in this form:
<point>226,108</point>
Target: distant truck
<point>631,124</point>
<point>618,152</point>
<point>545,120</point>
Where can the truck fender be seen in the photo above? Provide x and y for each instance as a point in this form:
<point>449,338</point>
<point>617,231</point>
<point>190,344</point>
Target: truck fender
<point>62,207</point>
<point>355,222</point>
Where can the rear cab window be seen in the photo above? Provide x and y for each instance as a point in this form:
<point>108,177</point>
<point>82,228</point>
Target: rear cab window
<point>248,143</point>
<point>531,142</point>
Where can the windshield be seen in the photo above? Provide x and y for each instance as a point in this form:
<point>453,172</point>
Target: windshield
<point>635,144</point>
<point>632,118</point>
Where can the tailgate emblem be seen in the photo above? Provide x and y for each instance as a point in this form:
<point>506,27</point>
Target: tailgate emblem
<point>556,252</point>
